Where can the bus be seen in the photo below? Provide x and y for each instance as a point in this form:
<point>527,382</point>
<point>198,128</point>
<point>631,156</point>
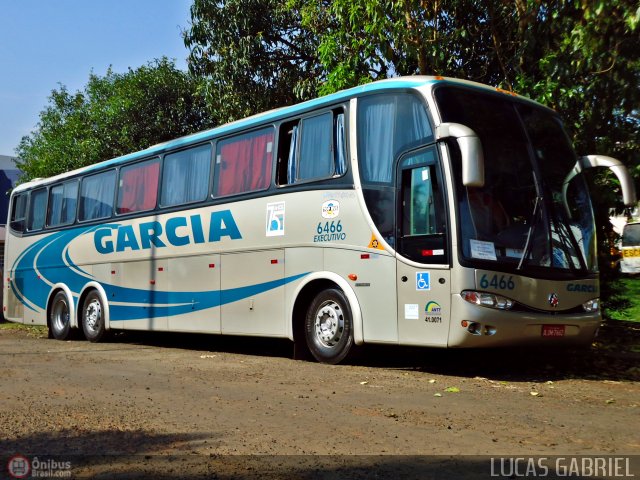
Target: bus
<point>423,211</point>
<point>630,248</point>
<point>9,175</point>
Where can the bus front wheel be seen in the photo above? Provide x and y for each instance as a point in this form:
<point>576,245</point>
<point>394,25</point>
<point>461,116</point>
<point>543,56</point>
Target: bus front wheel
<point>93,317</point>
<point>329,327</point>
<point>59,325</point>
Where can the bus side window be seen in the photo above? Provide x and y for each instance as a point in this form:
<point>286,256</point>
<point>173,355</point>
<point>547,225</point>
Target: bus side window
<point>287,143</point>
<point>312,148</point>
<point>37,209</point>
<point>96,197</point>
<point>63,199</point>
<point>243,163</point>
<point>138,187</point>
<point>19,212</point>
<point>185,178</point>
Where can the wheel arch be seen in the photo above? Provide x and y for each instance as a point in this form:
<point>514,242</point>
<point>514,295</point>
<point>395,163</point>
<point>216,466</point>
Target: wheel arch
<point>308,289</point>
<point>61,287</point>
<point>103,298</point>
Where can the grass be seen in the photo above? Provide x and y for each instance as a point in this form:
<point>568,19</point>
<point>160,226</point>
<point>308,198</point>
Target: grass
<point>624,303</point>
<point>32,330</point>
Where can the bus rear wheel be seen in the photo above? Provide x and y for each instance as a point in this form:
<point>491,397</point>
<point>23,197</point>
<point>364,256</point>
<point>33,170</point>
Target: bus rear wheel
<point>59,317</point>
<point>329,327</point>
<point>93,317</point>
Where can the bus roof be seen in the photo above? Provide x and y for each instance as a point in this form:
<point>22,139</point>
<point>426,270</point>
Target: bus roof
<point>271,116</point>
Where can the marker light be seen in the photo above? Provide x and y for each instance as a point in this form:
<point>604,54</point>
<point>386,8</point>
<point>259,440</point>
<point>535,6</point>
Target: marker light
<point>490,300</point>
<point>592,305</point>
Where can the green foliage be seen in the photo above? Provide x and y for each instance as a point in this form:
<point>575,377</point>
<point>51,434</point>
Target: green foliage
<point>114,115</point>
<point>254,54</point>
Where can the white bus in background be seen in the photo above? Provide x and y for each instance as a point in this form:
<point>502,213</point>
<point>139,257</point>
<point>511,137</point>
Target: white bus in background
<point>9,175</point>
<point>630,248</point>
<point>416,211</point>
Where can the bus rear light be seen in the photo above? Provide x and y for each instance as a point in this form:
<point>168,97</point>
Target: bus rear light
<point>274,261</point>
<point>212,265</point>
<point>365,256</point>
<point>490,300</point>
<point>353,277</point>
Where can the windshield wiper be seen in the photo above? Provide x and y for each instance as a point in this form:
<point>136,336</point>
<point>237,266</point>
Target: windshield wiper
<point>532,229</point>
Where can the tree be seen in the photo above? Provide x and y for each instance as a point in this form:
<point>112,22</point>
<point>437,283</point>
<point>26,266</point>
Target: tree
<point>114,115</point>
<point>254,54</point>
<point>578,57</point>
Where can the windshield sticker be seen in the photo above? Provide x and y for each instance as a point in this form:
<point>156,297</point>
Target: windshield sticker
<point>275,219</point>
<point>330,209</point>
<point>423,281</point>
<point>411,311</point>
<point>483,250</point>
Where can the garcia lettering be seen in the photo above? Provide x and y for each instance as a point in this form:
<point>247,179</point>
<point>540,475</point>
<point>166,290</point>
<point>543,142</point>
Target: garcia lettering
<point>176,231</point>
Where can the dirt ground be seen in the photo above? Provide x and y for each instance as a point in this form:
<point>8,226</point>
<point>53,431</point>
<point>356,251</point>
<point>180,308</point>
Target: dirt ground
<point>195,406</point>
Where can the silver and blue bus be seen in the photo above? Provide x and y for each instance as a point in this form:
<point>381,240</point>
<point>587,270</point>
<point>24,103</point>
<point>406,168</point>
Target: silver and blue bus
<point>419,211</point>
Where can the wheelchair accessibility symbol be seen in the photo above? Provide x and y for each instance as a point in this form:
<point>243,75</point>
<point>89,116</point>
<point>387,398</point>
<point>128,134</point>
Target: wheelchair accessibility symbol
<point>423,281</point>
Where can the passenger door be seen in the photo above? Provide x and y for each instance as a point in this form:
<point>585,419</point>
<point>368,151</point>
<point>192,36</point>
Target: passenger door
<point>423,271</point>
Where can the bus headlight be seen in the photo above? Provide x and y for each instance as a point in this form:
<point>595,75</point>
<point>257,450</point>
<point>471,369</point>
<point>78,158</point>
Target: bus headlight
<point>490,300</point>
<point>592,305</point>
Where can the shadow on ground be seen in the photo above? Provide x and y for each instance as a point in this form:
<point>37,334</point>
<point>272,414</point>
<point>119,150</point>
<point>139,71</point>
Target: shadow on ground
<point>150,462</point>
<point>614,355</point>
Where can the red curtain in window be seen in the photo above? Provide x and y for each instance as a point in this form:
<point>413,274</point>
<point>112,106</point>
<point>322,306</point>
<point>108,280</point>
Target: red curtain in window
<point>139,188</point>
<point>245,164</point>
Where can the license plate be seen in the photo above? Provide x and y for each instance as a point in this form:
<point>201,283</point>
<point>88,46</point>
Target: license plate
<point>553,330</point>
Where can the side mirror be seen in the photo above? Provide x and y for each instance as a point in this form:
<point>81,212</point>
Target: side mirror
<point>471,150</point>
<point>616,166</point>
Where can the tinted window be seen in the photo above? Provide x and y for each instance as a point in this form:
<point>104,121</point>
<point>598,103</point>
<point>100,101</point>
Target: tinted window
<point>62,204</point>
<point>185,177</point>
<point>37,209</point>
<point>631,235</point>
<point>312,148</point>
<point>243,163</point>
<point>387,126</point>
<point>138,187</point>
<point>96,198</point>
<point>19,212</point>
<point>316,147</point>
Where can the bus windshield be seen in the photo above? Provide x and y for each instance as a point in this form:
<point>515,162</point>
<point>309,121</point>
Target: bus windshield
<point>631,235</point>
<point>533,214</point>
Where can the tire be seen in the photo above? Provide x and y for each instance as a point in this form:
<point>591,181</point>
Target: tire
<point>329,327</point>
<point>93,317</point>
<point>59,317</point>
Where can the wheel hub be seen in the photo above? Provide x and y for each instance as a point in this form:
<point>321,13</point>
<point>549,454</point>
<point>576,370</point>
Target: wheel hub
<point>329,324</point>
<point>93,315</point>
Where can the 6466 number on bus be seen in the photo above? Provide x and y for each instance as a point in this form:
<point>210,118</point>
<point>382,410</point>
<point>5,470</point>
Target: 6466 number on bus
<point>500,282</point>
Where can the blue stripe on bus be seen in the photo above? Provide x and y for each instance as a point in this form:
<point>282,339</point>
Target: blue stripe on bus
<point>34,275</point>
